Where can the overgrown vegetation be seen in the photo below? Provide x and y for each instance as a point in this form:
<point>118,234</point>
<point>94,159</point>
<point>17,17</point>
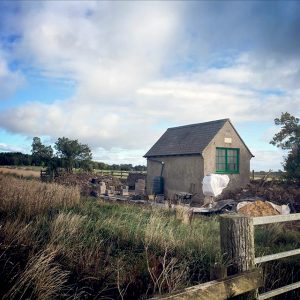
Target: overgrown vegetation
<point>54,245</point>
<point>98,249</point>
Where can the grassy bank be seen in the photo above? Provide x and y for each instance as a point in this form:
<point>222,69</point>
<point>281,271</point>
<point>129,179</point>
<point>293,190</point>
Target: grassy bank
<point>56,245</point>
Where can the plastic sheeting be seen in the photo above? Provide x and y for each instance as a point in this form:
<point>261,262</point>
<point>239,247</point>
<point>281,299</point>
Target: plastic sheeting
<point>214,184</point>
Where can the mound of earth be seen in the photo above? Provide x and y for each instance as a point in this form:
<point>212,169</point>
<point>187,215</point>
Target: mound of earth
<point>258,209</point>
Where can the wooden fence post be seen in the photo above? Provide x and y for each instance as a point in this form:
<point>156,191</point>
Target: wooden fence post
<point>237,245</point>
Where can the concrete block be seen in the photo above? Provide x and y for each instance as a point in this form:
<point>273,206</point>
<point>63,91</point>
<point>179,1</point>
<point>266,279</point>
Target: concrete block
<point>140,187</point>
<point>102,188</point>
<point>124,192</point>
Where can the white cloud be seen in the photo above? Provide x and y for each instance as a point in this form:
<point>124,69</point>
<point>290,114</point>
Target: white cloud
<point>10,148</point>
<point>9,81</point>
<point>112,50</point>
<point>120,156</point>
<point>192,99</point>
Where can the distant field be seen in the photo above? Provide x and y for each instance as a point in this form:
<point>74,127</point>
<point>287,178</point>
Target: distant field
<point>117,173</point>
<point>35,171</point>
<point>26,172</point>
<point>270,176</point>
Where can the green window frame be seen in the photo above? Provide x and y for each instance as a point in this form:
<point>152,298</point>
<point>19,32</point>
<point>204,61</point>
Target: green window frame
<point>227,160</point>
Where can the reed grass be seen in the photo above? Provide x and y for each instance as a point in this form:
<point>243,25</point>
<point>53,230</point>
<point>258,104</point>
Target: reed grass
<point>29,198</point>
<point>42,279</point>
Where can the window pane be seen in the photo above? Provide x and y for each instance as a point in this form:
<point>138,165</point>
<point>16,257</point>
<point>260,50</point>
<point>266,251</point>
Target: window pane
<point>231,159</point>
<point>232,167</point>
<point>231,152</point>
<point>221,152</point>
<point>221,167</point>
<point>221,159</point>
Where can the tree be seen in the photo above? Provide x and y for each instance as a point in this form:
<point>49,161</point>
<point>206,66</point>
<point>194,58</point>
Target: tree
<point>288,138</point>
<point>72,152</point>
<point>140,168</point>
<point>126,167</point>
<point>41,154</point>
<point>292,165</point>
<point>289,135</point>
<point>101,166</point>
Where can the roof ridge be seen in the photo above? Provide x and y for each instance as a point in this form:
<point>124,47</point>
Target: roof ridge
<point>196,124</point>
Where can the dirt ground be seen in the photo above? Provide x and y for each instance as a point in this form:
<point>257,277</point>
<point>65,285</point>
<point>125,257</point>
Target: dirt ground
<point>20,172</point>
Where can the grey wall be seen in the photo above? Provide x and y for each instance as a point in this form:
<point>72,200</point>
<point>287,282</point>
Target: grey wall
<point>209,155</point>
<point>179,172</point>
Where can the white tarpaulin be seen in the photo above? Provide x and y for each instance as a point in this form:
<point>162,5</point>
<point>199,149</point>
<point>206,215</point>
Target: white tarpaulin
<point>213,184</point>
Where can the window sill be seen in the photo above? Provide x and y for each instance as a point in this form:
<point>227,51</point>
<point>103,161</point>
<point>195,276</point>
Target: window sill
<point>227,172</point>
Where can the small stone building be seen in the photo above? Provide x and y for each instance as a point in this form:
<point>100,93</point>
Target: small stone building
<point>185,154</point>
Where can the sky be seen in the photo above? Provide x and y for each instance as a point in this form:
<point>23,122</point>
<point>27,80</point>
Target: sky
<point>116,75</point>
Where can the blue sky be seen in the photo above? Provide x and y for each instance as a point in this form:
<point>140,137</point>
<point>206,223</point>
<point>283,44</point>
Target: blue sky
<point>115,75</point>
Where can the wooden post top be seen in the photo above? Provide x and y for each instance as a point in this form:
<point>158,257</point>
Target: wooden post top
<point>234,216</point>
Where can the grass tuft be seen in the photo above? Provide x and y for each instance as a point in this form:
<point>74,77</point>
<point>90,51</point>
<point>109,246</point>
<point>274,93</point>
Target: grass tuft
<point>42,278</point>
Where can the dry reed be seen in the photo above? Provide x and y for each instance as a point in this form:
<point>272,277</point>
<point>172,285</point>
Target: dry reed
<point>16,231</point>
<point>42,279</point>
<point>29,198</point>
<point>68,233</point>
<point>65,226</point>
<point>20,172</point>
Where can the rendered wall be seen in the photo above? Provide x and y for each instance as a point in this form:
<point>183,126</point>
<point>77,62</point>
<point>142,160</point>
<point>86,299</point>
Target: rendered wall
<point>179,173</point>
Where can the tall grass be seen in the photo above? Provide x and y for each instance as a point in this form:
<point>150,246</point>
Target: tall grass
<point>42,279</point>
<point>30,198</point>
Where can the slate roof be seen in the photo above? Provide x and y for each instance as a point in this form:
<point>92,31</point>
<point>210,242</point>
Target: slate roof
<point>184,140</point>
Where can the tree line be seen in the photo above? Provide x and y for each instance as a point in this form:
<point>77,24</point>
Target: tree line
<point>67,154</point>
